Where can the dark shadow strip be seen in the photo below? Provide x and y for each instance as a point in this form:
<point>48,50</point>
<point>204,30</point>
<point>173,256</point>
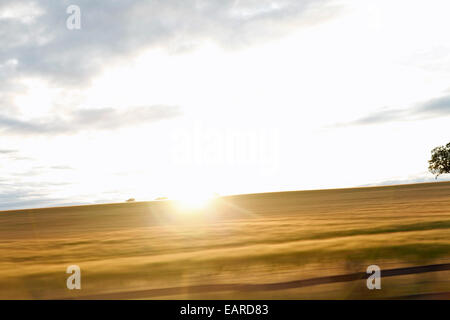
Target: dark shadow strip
<point>151,293</point>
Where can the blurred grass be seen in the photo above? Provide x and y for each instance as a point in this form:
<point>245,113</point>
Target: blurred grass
<point>238,239</point>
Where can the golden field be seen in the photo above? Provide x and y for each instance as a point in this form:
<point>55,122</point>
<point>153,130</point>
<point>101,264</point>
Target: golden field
<point>142,250</point>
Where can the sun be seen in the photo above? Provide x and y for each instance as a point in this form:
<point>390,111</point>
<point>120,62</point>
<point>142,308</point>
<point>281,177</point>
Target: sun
<point>193,200</point>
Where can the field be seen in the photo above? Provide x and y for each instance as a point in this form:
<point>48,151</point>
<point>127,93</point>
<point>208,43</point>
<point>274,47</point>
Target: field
<point>233,248</point>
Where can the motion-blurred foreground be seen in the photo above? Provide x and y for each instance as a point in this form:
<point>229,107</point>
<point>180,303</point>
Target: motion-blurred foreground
<point>226,250</point>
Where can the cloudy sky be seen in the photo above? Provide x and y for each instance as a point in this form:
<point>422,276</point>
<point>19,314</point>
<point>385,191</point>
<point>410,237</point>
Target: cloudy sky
<point>175,97</point>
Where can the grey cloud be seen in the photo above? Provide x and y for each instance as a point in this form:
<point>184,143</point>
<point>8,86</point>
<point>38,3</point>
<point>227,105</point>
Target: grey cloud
<point>61,168</point>
<point>112,29</point>
<point>13,155</point>
<point>423,179</point>
<point>382,116</point>
<point>23,199</point>
<point>7,151</point>
<point>437,107</point>
<point>32,194</point>
<point>87,119</point>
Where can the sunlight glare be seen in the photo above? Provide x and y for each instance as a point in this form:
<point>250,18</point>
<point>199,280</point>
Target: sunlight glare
<point>192,201</point>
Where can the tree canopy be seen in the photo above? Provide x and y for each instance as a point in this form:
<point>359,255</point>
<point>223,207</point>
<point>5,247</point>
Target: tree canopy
<point>440,160</point>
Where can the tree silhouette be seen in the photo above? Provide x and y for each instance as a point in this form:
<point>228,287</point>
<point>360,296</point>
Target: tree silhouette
<point>440,160</point>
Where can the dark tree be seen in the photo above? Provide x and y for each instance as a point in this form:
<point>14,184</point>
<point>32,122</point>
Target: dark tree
<point>440,160</point>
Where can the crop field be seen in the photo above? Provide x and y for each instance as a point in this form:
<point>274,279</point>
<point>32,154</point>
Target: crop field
<point>236,247</point>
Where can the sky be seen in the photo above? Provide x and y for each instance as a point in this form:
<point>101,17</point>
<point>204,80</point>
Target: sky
<point>180,98</point>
